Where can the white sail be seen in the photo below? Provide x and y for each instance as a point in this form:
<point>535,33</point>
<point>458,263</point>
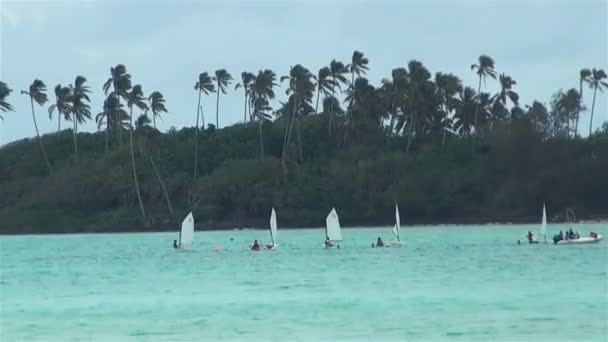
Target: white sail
<point>543,226</point>
<point>273,227</point>
<point>332,226</point>
<point>186,235</point>
<point>397,227</point>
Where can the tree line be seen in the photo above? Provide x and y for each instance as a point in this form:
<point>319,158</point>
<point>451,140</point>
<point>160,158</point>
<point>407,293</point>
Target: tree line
<point>409,115</point>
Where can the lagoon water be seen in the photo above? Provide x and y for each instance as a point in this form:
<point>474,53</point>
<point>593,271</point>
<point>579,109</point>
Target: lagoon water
<point>445,283</point>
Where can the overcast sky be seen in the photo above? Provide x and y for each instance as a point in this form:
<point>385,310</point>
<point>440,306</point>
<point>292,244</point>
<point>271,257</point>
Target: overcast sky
<point>165,45</point>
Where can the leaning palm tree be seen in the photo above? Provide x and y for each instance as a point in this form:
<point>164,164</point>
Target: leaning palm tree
<point>223,79</point>
<point>261,92</point>
<point>337,70</point>
<point>595,81</point>
<point>61,105</point>
<point>324,84</point>
<point>120,82</point>
<point>157,105</point>
<point>5,91</point>
<point>136,98</point>
<point>37,93</point>
<point>246,79</point>
<point>584,74</point>
<point>204,85</point>
<point>80,110</point>
<point>484,69</point>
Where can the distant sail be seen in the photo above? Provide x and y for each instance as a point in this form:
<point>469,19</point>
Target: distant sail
<point>397,227</point>
<point>273,227</point>
<point>543,226</point>
<point>332,226</point>
<point>186,235</point>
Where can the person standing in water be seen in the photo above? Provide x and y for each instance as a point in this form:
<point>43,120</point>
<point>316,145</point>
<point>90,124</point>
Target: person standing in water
<point>255,246</point>
<point>175,246</point>
<point>379,243</point>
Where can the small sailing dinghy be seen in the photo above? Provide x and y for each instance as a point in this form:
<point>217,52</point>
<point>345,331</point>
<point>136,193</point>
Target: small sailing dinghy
<point>273,231</point>
<point>542,232</point>
<point>396,229</point>
<point>333,231</point>
<point>186,234</point>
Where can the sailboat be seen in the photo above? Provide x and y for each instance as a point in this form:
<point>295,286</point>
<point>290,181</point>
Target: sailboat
<point>396,229</point>
<point>273,231</point>
<point>333,231</point>
<point>186,234</point>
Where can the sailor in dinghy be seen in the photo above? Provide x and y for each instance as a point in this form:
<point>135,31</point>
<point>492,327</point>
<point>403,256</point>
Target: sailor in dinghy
<point>333,231</point>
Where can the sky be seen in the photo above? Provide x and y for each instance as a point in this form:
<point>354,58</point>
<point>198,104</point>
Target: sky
<point>166,44</point>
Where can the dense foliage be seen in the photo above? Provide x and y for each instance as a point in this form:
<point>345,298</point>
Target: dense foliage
<point>443,151</point>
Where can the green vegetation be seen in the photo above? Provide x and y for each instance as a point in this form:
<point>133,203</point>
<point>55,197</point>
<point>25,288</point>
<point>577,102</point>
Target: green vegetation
<point>441,150</point>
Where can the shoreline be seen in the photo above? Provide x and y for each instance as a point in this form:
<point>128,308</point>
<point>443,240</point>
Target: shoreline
<point>164,229</point>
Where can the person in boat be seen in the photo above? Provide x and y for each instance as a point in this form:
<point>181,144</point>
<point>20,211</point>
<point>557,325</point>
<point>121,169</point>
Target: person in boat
<point>577,235</point>
<point>572,235</point>
<point>593,235</point>
<point>530,237</point>
<point>327,242</point>
<point>379,242</point>
<point>175,245</point>
<point>255,246</point>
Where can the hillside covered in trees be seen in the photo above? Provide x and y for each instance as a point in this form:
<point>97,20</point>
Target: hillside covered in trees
<point>445,152</point>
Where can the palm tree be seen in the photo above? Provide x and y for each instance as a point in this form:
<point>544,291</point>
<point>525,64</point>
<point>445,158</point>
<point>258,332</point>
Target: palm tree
<point>584,74</point>
<point>484,69</point>
<point>61,105</point>
<point>261,92</point>
<point>157,105</point>
<point>5,91</point>
<point>223,79</point>
<point>324,84</point>
<point>464,114</point>
<point>506,90</point>
<point>301,88</point>
<point>136,98</point>
<point>246,79</point>
<point>448,86</point>
<point>357,66</point>
<point>37,93</point>
<point>595,81</point>
<point>113,116</point>
<point>204,85</point>
<point>120,82</point>
<point>80,110</point>
<point>337,71</point>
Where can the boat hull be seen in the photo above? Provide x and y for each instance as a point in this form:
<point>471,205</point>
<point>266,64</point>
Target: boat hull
<point>586,239</point>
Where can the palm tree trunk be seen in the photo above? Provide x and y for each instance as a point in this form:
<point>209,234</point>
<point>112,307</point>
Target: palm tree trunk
<point>578,110</point>
<point>411,132</point>
<point>261,138</point>
<point>287,138</point>
<point>331,106</point>
<point>245,113</point>
<point>217,107</point>
<point>75,139</point>
<point>141,203</point>
<point>445,125</point>
<point>299,140</point>
<point>46,159</point>
<point>592,109</point>
<point>58,122</point>
<point>477,104</point>
<point>107,133</point>
<point>162,184</point>
<point>154,119</point>
<point>198,113</point>
<point>318,96</point>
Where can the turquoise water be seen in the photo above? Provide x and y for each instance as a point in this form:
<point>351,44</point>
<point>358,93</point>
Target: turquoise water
<point>445,283</point>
